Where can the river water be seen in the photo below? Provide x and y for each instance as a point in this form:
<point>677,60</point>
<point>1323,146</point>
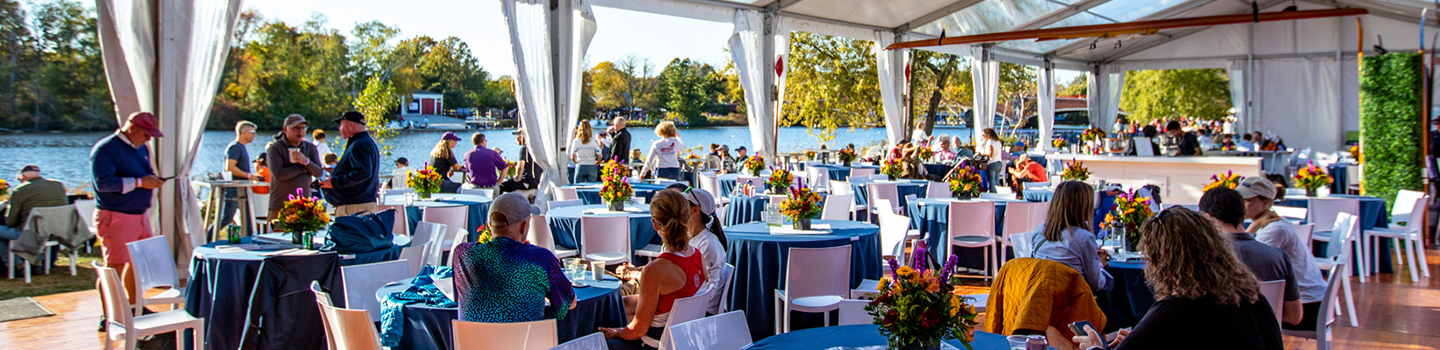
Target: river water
<point>66,156</point>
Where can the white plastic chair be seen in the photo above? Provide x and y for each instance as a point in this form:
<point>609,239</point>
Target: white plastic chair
<point>685,310</point>
<point>728,273</point>
<point>1412,234</point>
<point>432,251</point>
<point>1337,258</point>
<point>361,282</point>
<point>534,335</point>
<point>86,209</point>
<point>1305,232</point>
<point>540,236</point>
<point>816,279</point>
<point>1323,212</point>
<point>710,182</point>
<point>1020,218</point>
<point>878,191</point>
<point>345,328</point>
<point>728,331</point>
<point>854,172</point>
<point>121,324</point>
<point>852,312</point>
<point>1400,213</point>
<point>1274,292</point>
<point>415,253</point>
<point>566,194</point>
<point>1290,212</point>
<point>594,341</point>
<point>564,203</point>
<point>837,207</point>
<point>755,182</point>
<point>605,238</point>
<point>1328,307</point>
<point>455,218</point>
<point>402,221</point>
<point>972,225</point>
<point>260,203</point>
<point>322,299</point>
<point>894,233</point>
<point>150,259</point>
<point>938,190</point>
<point>487,192</point>
<point>48,248</point>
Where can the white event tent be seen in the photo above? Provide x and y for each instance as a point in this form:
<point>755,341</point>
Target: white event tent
<point>1297,79</point>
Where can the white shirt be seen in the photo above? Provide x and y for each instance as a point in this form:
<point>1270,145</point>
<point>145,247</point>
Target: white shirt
<point>397,178</point>
<point>713,254</point>
<point>1245,146</point>
<point>918,135</point>
<point>322,147</point>
<point>1282,234</point>
<point>992,149</point>
<point>585,153</point>
<point>664,153</point>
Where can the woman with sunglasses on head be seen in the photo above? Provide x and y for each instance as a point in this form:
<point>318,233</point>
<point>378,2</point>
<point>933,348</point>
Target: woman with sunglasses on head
<point>707,236</point>
<point>678,273</point>
<point>1206,298</point>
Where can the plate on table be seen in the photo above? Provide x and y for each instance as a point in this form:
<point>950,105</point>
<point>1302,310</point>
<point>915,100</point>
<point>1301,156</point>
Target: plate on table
<point>578,284</point>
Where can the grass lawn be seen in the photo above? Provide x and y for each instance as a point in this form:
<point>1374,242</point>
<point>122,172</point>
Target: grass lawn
<point>58,281</point>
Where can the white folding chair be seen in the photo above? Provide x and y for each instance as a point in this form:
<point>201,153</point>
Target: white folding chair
<point>894,234</point>
<point>1290,212</point>
<point>455,218</point>
<point>566,194</point>
<point>837,207</point>
<point>728,331</point>
<point>1337,258</point>
<point>1305,232</point>
<point>728,273</point>
<point>260,203</point>
<point>878,191</point>
<point>685,310</point>
<point>150,259</point>
<point>564,203</point>
<point>1412,234</point>
<point>1323,213</point>
<point>816,279</point>
<point>852,312</point>
<point>1274,292</point>
<point>972,225</point>
<point>534,335</point>
<point>1328,308</point>
<point>1020,218</point>
<point>121,324</point>
<point>361,282</point>
<point>938,190</point>
<point>594,341</point>
<point>854,172</point>
<point>540,236</point>
<point>605,238</point>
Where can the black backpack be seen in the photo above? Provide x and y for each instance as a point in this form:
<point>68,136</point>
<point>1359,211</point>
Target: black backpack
<point>361,233</point>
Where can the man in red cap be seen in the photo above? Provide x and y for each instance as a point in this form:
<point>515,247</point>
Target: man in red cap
<point>124,187</point>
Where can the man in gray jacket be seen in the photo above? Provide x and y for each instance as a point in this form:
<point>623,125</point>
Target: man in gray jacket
<point>294,164</point>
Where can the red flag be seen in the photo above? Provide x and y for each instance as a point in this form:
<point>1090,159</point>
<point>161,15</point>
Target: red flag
<point>779,66</point>
<point>907,72</point>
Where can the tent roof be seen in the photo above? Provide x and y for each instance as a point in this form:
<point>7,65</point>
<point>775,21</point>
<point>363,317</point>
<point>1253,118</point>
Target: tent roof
<point>929,18</point>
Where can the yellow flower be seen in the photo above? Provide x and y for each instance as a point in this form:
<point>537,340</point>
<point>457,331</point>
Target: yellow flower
<point>884,281</point>
<point>904,271</point>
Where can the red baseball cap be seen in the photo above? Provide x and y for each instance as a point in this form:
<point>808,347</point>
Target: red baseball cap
<point>146,121</point>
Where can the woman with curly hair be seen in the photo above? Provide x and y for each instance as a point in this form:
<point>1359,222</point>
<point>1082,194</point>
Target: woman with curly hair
<point>1206,298</point>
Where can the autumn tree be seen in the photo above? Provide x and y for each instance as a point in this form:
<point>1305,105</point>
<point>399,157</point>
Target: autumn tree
<point>832,83</point>
<point>1164,94</point>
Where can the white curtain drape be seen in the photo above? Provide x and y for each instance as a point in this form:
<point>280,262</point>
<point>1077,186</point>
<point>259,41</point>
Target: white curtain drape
<point>1296,99</point>
<point>1105,88</point>
<point>985,75</point>
<point>890,64</point>
<point>1237,88</point>
<point>781,37</point>
<point>1047,106</point>
<point>174,78</point>
<point>751,66</point>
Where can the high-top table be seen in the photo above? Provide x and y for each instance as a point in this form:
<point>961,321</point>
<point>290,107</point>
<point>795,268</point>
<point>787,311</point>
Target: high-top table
<point>242,195</point>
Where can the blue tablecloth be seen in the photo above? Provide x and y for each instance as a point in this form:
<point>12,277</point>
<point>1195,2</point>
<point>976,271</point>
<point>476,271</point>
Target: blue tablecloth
<point>743,209</point>
<point>222,285</point>
<point>1038,195</point>
<point>478,213</point>
<point>932,217</point>
<point>863,335</point>
<point>903,187</point>
<point>1342,178</point>
<point>1129,294</point>
<point>840,172</point>
<point>590,191</point>
<point>760,259</point>
<point>938,168</point>
<point>429,328</point>
<point>565,225</point>
<point>727,182</point>
<point>1372,215</point>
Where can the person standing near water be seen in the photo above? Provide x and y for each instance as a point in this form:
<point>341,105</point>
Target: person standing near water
<point>237,163</point>
<point>585,152</point>
<point>665,153</point>
<point>294,163</point>
<point>124,190</point>
<point>320,142</point>
<point>353,185</point>
<point>621,145</point>
<point>442,160</point>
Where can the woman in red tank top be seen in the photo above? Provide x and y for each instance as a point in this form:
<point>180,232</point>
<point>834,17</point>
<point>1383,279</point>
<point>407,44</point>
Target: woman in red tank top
<point>678,273</point>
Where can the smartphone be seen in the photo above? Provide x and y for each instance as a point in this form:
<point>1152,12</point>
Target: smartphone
<point>166,178</point>
<point>1079,329</point>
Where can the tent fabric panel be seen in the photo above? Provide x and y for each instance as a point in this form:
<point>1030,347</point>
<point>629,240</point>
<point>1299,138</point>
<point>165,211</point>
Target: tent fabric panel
<point>691,10</point>
<point>886,14</point>
<point>831,29</point>
<point>1213,42</point>
<point>1297,99</point>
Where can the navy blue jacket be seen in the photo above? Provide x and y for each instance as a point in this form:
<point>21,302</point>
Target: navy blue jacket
<point>355,179</point>
<point>113,162</point>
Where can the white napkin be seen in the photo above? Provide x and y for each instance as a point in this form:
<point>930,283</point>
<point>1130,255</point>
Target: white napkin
<point>446,286</point>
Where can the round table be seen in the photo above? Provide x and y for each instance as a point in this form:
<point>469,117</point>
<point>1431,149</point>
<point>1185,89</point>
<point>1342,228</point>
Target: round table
<point>589,192</point>
<point>932,217</point>
<point>841,173</point>
<point>1039,195</point>
<point>565,224</point>
<point>903,187</point>
<point>1129,294</point>
<point>745,209</point>
<point>760,258</point>
<point>727,181</point>
<point>858,336</point>
<point>1372,215</point>
<point>479,208</point>
<point>426,327</point>
<point>226,288</point>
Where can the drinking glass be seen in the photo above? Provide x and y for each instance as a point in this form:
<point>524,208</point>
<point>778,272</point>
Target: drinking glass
<point>409,199</point>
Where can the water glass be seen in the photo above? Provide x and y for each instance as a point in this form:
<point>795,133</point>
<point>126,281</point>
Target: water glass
<point>1017,342</point>
<point>409,199</point>
<point>597,270</point>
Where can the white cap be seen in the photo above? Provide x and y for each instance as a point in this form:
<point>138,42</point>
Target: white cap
<point>515,207</point>
<point>706,202</point>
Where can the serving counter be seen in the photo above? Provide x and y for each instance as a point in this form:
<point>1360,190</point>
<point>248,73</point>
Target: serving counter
<point>1181,179</point>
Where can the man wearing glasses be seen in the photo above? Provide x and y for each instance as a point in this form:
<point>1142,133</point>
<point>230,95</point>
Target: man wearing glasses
<point>294,163</point>
<point>237,163</point>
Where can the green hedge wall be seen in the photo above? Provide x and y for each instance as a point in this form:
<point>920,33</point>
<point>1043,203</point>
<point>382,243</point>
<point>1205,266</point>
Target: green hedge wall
<point>1390,124</point>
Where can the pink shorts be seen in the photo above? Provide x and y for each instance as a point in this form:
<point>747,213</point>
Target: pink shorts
<point>115,229</point>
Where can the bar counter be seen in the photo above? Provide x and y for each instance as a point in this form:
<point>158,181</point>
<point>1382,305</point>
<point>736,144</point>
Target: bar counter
<point>1181,179</point>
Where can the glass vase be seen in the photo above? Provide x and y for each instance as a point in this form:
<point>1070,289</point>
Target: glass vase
<point>617,206</point>
<point>802,224</point>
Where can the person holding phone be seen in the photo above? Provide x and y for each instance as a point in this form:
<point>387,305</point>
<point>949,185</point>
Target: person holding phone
<point>294,163</point>
<point>124,191</point>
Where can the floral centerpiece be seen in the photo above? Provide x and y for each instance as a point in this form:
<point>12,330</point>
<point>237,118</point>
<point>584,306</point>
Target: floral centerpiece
<point>925,152</point>
<point>891,167</point>
<point>920,306</point>
<point>1355,153</point>
<point>1060,143</point>
<point>510,169</point>
<point>425,181</point>
<point>1093,134</point>
<point>1076,171</point>
<point>754,165</point>
<point>846,155</point>
<point>4,188</point>
<point>1312,177</point>
<point>485,236</point>
<point>614,189</point>
<point>802,205</point>
<point>779,179</point>
<point>965,182</point>
<point>1130,211</point>
<point>301,216</point>
<point>1229,179</point>
<point>810,154</point>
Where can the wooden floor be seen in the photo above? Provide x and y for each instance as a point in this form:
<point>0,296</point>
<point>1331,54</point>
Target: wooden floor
<point>1394,313</point>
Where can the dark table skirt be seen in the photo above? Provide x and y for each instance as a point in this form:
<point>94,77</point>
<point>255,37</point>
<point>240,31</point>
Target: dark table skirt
<point>430,328</point>
<point>760,259</point>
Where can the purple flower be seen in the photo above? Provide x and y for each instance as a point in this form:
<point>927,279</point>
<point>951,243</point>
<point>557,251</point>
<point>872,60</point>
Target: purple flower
<point>919,262</point>
<point>894,266</point>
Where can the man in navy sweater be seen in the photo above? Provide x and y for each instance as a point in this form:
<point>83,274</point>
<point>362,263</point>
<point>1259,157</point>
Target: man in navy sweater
<point>353,184</point>
<point>124,184</point>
